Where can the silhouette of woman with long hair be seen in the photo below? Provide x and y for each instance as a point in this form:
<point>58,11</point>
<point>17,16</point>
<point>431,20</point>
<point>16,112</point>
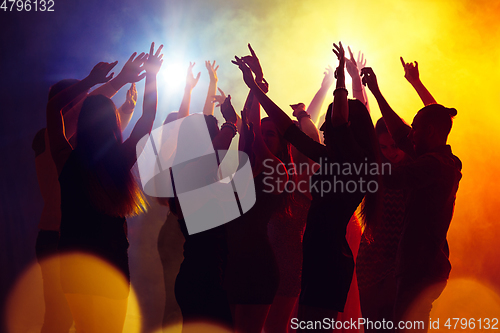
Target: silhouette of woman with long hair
<point>98,191</point>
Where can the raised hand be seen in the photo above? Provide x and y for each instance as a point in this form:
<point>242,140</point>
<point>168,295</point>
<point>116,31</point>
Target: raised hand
<point>411,71</point>
<point>247,72</point>
<point>227,111</point>
<point>191,81</point>
<point>99,74</point>
<point>412,75</point>
<point>131,71</point>
<point>253,62</point>
<point>154,61</point>
<point>369,78</point>
<point>351,65</point>
<point>219,99</point>
<point>130,100</point>
<point>361,61</point>
<point>339,52</point>
<point>212,70</point>
<point>328,79</point>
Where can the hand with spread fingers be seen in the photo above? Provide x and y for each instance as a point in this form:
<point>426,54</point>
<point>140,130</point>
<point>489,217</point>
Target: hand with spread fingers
<point>131,71</point>
<point>351,65</point>
<point>353,68</point>
<point>361,61</point>
<point>99,73</point>
<point>191,81</point>
<point>153,64</point>
<point>212,70</point>
<point>328,79</point>
<point>339,52</point>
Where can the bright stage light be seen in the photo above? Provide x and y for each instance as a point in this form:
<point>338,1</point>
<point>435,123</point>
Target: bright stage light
<point>174,76</point>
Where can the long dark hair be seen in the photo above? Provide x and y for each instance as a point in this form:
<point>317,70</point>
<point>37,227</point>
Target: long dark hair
<point>285,156</point>
<point>364,133</point>
<point>110,183</point>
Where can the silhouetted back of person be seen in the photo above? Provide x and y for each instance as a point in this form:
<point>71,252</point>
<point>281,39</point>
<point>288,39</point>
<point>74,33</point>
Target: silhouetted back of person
<point>422,262</point>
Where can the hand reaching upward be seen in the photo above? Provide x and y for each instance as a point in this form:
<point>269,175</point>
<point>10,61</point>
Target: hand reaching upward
<point>227,110</point>
<point>131,71</point>
<point>413,76</point>
<point>212,70</point>
<point>247,72</point>
<point>154,61</point>
<point>130,100</point>
<point>328,79</point>
<point>370,79</point>
<point>339,52</point>
<point>351,65</point>
<point>361,61</point>
<point>99,73</point>
<point>411,71</point>
<point>191,81</point>
<point>253,62</point>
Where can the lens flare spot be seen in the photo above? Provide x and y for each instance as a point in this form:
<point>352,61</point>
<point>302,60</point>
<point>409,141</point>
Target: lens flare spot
<point>466,298</point>
<point>25,306</point>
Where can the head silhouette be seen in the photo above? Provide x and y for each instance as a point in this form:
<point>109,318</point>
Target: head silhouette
<point>98,127</point>
<point>361,126</point>
<point>275,142</point>
<point>62,85</point>
<point>56,88</point>
<point>430,127</point>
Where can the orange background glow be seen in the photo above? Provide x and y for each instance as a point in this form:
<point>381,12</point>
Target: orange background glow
<point>456,43</point>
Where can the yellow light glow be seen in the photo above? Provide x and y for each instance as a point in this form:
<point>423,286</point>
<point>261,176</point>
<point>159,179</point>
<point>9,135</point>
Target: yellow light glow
<point>26,302</point>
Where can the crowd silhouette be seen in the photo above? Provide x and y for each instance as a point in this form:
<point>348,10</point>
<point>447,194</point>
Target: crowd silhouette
<point>291,260</point>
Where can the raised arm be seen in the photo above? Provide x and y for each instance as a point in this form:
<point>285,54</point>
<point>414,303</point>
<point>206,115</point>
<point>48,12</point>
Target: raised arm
<point>395,124</point>
<point>191,82</point>
<point>59,145</point>
<point>208,108</point>
<point>305,122</point>
<point>340,112</point>
<point>228,130</point>
<point>219,99</point>
<point>130,73</point>
<point>126,111</point>
<point>412,75</point>
<point>279,117</point>
<point>247,137</point>
<point>361,63</point>
<point>314,108</point>
<point>145,123</point>
<point>353,70</point>
<point>262,155</point>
